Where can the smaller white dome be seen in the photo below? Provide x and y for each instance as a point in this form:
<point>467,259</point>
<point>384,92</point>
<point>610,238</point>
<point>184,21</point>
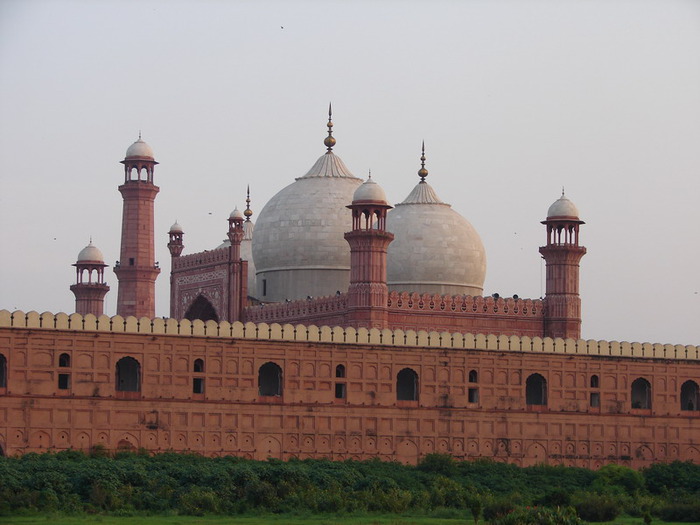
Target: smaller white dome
<point>176,228</point>
<point>91,254</point>
<point>369,191</point>
<point>562,207</point>
<point>139,149</point>
<point>236,214</point>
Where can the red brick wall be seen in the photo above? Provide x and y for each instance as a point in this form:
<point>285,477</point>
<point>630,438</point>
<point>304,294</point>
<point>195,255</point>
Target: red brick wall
<point>307,420</point>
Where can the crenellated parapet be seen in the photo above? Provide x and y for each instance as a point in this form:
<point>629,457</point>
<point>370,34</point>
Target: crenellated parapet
<point>466,304</point>
<point>339,335</point>
<point>335,305</point>
<point>197,260</point>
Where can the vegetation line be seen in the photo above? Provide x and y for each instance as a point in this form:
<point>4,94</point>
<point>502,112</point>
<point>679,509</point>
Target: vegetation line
<point>439,490</point>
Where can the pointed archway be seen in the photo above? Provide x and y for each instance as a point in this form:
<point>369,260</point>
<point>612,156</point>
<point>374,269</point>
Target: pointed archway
<point>202,309</point>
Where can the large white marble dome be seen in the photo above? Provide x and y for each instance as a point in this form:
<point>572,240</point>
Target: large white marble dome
<point>298,247</point>
<point>435,249</point>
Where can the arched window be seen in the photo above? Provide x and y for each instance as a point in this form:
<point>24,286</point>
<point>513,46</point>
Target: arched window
<point>198,382</point>
<point>473,392</point>
<point>128,375</point>
<point>689,396</point>
<point>3,371</point>
<point>64,360</point>
<point>536,390</point>
<point>641,393</point>
<point>201,309</point>
<point>595,396</point>
<point>407,385</point>
<point>270,380</point>
<point>340,390</point>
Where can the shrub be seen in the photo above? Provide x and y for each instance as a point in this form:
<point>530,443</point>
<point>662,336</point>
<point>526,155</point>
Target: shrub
<point>198,502</point>
<point>498,508</point>
<point>618,479</point>
<point>683,512</point>
<point>476,506</point>
<point>443,464</point>
<point>677,476</point>
<point>555,498</point>
<point>539,516</point>
<point>597,507</point>
<point>445,492</point>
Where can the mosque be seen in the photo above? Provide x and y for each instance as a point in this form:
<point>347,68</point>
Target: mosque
<point>347,329</point>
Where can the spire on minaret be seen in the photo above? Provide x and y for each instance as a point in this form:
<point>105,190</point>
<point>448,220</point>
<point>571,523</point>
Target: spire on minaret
<point>329,141</point>
<point>422,172</point>
<point>248,212</point>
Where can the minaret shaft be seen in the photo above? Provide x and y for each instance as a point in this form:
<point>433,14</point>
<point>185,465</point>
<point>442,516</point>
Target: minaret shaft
<point>562,255</point>
<point>136,269</point>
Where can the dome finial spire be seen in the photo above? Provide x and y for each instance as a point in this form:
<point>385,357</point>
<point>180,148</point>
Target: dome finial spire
<point>139,134</point>
<point>329,141</point>
<point>422,172</point>
<point>248,212</point>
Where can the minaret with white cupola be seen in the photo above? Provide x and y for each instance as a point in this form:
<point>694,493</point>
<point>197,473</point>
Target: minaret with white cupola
<point>136,269</point>
<point>237,268</point>
<point>368,293</point>
<point>90,287</point>
<point>562,255</point>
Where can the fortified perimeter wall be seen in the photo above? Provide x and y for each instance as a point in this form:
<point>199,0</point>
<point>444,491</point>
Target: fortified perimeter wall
<point>296,391</point>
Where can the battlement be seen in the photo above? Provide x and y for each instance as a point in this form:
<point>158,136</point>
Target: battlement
<point>196,260</point>
<point>271,312</point>
<point>466,304</point>
<point>339,335</point>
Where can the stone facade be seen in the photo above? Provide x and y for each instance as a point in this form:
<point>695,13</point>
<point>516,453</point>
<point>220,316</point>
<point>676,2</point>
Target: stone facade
<point>295,391</point>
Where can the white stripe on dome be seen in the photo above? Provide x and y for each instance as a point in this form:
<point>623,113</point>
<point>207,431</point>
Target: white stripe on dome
<point>423,193</point>
<point>329,165</point>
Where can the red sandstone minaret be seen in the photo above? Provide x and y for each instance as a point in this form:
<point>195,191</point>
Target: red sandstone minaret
<point>562,255</point>
<point>238,269</point>
<point>90,294</point>
<point>175,246</point>
<point>368,293</point>
<point>136,270</point>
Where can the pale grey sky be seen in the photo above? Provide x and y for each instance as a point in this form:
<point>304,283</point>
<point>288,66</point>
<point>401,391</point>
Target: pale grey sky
<point>514,100</point>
